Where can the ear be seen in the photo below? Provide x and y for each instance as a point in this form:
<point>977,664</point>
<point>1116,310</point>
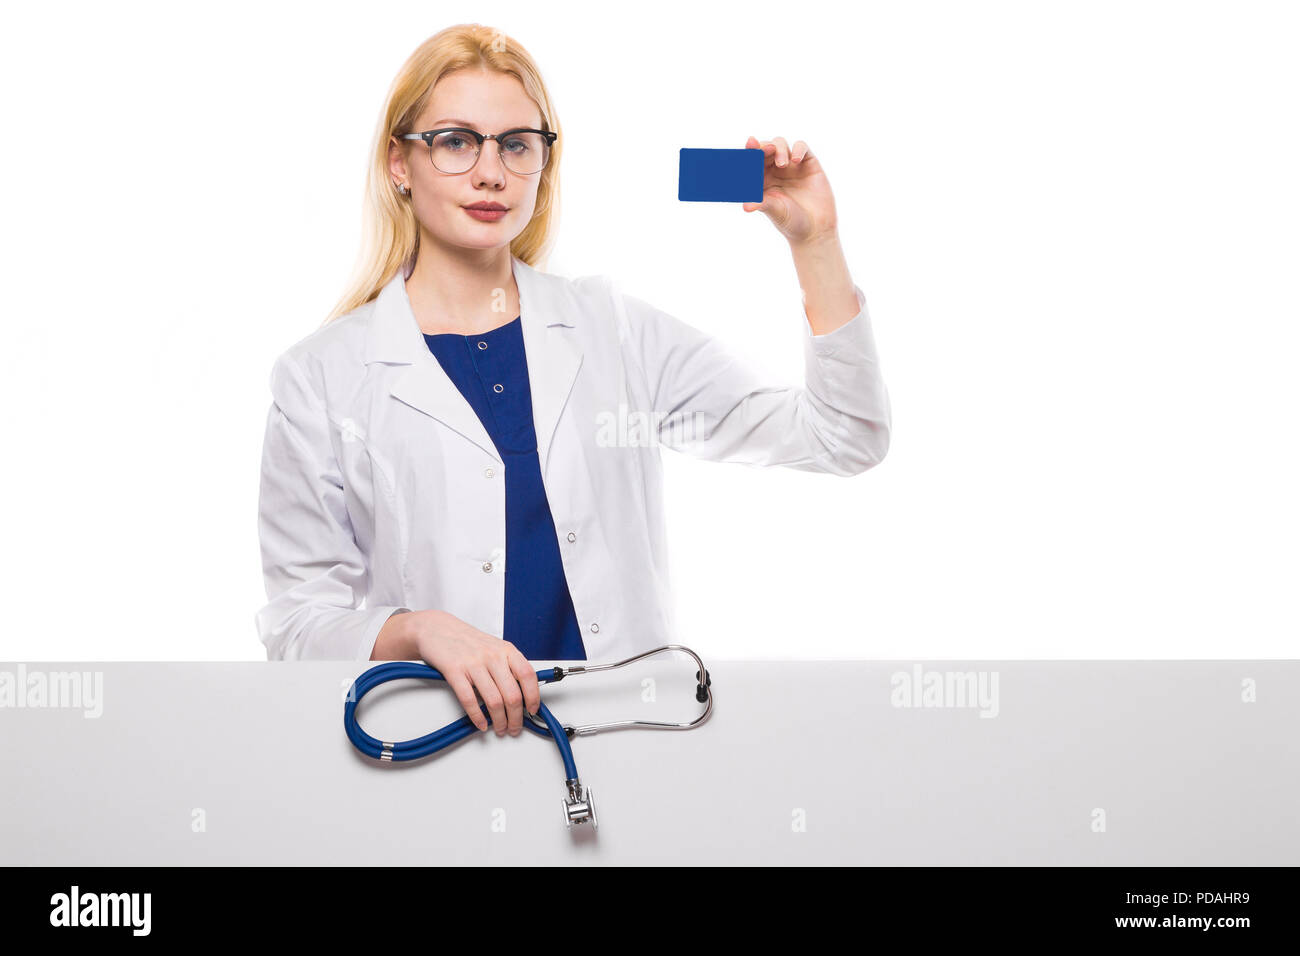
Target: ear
<point>397,160</point>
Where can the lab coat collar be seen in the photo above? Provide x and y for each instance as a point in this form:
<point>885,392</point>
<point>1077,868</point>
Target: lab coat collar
<point>550,347</point>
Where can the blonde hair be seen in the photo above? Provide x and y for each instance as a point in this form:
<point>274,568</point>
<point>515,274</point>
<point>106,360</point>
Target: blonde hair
<point>390,231</point>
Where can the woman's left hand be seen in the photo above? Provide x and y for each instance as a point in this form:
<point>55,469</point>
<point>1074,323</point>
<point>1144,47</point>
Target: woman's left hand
<point>796,193</point>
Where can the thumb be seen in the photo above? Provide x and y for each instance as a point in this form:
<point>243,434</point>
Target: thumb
<point>773,204</point>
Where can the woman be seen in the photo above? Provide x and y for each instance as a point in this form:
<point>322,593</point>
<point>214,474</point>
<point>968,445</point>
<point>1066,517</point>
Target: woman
<point>409,436</point>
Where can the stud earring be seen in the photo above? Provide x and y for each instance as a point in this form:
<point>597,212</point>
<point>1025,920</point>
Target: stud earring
<point>401,188</point>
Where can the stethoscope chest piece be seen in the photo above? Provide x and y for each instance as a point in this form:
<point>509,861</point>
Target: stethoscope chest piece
<point>579,806</point>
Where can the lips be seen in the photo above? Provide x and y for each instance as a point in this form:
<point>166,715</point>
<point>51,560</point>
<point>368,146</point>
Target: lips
<point>488,206</point>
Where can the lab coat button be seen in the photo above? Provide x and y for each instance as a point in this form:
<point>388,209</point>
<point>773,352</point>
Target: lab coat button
<point>488,472</point>
<point>487,565</point>
<point>572,536</point>
<point>595,628</point>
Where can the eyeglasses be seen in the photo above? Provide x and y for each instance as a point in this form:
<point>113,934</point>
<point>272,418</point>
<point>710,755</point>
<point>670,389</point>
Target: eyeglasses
<point>455,149</point>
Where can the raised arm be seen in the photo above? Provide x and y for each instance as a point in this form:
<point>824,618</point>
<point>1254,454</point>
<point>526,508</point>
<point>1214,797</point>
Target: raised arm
<point>712,406</point>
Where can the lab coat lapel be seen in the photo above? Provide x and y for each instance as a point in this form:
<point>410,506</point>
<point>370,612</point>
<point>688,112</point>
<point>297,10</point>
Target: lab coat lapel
<point>551,348</point>
<point>395,338</point>
<point>551,351</point>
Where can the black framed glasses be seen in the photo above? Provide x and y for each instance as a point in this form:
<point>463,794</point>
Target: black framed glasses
<point>455,149</point>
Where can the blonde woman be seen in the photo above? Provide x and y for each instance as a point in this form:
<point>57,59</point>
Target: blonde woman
<point>461,465</point>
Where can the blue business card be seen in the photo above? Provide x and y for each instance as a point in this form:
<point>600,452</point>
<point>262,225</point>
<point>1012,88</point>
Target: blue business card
<point>720,175</point>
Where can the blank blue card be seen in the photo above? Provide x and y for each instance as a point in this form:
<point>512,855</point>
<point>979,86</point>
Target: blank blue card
<point>720,175</point>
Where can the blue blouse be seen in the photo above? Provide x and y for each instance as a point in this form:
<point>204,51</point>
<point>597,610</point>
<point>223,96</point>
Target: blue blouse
<point>491,371</point>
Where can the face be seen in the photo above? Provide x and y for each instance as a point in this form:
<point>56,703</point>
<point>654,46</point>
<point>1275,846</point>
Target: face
<point>488,102</point>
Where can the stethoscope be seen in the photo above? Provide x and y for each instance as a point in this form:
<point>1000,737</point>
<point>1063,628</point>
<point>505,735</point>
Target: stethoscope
<point>579,807</point>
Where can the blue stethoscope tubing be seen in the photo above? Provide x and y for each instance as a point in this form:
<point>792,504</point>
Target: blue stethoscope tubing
<point>455,731</point>
<point>579,806</point>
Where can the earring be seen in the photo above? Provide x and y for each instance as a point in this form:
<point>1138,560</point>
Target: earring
<point>401,188</point>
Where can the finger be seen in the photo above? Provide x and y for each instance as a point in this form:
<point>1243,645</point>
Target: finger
<point>523,670</point>
<point>464,691</point>
<point>782,151</point>
<point>800,151</point>
<point>768,148</point>
<point>510,694</point>
<point>487,689</point>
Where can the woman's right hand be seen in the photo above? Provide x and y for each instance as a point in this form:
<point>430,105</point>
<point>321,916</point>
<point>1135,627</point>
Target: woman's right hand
<point>471,660</point>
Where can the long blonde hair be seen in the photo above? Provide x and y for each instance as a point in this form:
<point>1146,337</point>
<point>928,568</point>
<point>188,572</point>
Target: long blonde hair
<point>390,231</point>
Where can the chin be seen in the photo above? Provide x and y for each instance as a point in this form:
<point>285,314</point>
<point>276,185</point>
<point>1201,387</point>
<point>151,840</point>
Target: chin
<point>484,242</point>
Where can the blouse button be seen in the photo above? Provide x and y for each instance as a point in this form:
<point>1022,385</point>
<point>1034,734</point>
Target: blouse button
<point>595,627</point>
<point>572,536</point>
<point>497,388</point>
<point>482,344</point>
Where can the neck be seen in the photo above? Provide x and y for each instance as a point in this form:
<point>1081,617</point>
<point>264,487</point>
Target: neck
<point>462,290</point>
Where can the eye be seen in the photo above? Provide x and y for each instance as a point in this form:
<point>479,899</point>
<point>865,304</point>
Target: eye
<point>454,142</point>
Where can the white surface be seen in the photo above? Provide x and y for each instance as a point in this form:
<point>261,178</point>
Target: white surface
<point>1185,771</point>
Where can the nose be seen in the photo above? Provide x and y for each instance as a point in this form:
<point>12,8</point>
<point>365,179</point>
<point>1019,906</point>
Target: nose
<point>494,168</point>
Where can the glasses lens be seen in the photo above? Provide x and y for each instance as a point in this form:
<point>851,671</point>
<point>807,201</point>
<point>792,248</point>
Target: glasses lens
<point>522,153</point>
<point>525,153</point>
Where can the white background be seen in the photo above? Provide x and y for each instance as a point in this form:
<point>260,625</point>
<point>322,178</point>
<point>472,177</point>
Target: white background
<point>1075,223</point>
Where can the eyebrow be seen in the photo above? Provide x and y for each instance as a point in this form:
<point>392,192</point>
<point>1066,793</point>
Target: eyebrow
<point>462,122</point>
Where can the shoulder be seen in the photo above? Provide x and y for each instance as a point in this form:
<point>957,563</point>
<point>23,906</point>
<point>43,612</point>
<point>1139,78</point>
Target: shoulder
<point>341,337</point>
<point>589,304</point>
<point>325,358</point>
<point>590,290</point>
<point>595,297</point>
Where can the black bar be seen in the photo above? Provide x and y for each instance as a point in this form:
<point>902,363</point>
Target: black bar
<point>924,905</point>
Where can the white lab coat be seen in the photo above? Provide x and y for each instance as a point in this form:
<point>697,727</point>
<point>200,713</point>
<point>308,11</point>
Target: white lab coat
<point>382,491</point>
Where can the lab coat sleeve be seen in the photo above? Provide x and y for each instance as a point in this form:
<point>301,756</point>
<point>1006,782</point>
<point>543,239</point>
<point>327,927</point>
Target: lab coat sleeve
<point>710,405</point>
<point>315,574</point>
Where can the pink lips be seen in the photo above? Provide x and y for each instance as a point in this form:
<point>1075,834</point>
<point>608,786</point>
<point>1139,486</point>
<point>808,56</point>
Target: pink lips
<point>486,212</point>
